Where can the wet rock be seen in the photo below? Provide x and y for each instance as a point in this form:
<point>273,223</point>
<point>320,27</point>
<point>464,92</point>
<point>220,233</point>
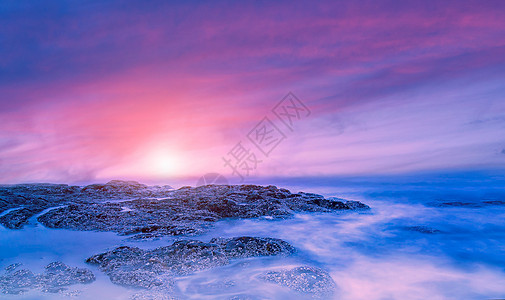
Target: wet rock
<point>115,188</point>
<point>138,278</point>
<point>16,219</point>
<point>56,278</point>
<point>457,204</point>
<point>241,247</point>
<point>151,269</point>
<point>36,197</point>
<point>468,204</point>
<point>57,274</point>
<point>186,211</point>
<point>141,268</point>
<point>17,282</point>
<point>303,279</point>
<point>32,198</point>
<point>214,287</point>
<point>12,267</point>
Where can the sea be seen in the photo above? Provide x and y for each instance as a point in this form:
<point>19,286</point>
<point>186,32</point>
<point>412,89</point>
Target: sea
<point>426,236</point>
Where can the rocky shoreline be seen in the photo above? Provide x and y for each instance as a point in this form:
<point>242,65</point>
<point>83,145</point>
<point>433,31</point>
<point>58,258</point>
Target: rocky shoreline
<point>133,209</point>
<point>141,212</point>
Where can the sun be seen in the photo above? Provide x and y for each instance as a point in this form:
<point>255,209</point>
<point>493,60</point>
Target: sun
<point>164,162</point>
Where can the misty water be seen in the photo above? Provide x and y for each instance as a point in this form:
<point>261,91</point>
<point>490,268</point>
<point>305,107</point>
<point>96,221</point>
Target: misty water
<point>406,247</point>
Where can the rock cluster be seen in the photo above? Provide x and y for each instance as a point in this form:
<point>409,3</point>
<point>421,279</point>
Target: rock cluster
<point>146,212</point>
<point>31,199</point>
<point>56,277</point>
<point>189,210</point>
<point>153,269</point>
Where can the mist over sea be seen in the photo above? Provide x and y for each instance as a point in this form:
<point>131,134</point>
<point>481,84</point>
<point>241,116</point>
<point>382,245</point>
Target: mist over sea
<point>426,237</point>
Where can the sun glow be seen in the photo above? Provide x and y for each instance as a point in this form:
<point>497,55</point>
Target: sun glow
<point>164,162</point>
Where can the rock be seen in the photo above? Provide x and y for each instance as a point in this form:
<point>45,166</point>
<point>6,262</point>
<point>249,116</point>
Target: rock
<point>32,198</point>
<point>138,278</point>
<point>17,282</point>
<point>36,197</point>
<point>303,279</point>
<point>16,219</point>
<point>336,203</point>
<point>56,277</point>
<point>421,229</point>
<point>186,211</point>
<point>180,258</point>
<point>115,188</point>
<point>472,204</point>
<point>57,274</point>
<point>151,269</point>
<point>457,204</point>
<point>241,247</point>
<point>12,267</point>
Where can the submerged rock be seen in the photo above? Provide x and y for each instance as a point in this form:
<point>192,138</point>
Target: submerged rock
<point>152,295</point>
<point>151,269</point>
<point>56,277</point>
<point>421,229</point>
<point>477,203</point>
<point>17,282</point>
<point>303,279</point>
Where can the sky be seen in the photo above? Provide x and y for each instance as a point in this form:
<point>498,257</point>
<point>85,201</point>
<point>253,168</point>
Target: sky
<point>151,90</point>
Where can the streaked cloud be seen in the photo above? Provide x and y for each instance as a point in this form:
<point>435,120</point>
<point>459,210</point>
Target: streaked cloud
<point>96,90</point>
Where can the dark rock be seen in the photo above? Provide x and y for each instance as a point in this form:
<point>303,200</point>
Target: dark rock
<point>303,279</point>
<point>457,204</point>
<point>33,198</point>
<point>472,204</point>
<point>115,188</point>
<point>56,277</point>
<point>180,258</point>
<point>186,211</point>
<point>58,274</point>
<point>17,282</point>
<point>16,219</point>
<point>240,247</point>
<point>138,278</point>
<point>39,196</point>
<point>150,269</point>
<point>494,202</point>
<point>421,229</point>
<point>152,212</point>
<point>13,267</point>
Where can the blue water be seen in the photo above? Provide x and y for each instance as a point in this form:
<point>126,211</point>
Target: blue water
<point>405,247</point>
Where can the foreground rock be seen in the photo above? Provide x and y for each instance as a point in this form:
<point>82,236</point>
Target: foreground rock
<point>188,211</point>
<point>303,279</point>
<point>153,269</point>
<point>56,278</point>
